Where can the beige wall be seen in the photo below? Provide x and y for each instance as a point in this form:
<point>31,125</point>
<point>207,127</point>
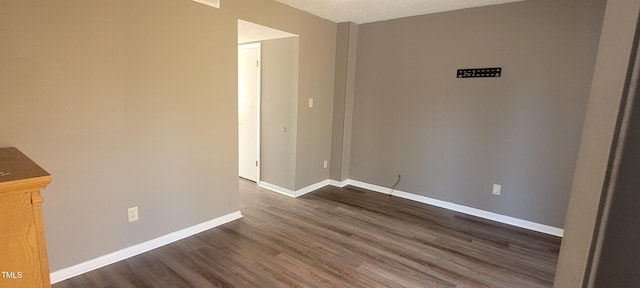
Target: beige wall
<point>451,139</point>
<point>134,103</point>
<point>614,54</point>
<point>279,103</point>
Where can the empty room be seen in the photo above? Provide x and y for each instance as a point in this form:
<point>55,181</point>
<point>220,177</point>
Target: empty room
<point>309,143</point>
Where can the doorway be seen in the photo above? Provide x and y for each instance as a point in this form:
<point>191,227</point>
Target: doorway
<point>267,105</point>
<point>249,111</point>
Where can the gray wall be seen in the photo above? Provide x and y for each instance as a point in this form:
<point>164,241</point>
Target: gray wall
<point>315,75</point>
<point>451,139</point>
<point>614,53</point>
<point>279,103</point>
<point>346,49</point>
<point>620,255</point>
<point>134,103</point>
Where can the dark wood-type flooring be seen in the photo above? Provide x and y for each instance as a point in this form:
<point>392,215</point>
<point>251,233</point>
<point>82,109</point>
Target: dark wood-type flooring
<point>340,237</point>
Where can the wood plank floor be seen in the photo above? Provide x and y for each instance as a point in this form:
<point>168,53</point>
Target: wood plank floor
<point>340,237</point>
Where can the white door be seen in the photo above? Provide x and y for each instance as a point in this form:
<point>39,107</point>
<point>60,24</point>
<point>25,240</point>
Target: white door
<point>249,110</point>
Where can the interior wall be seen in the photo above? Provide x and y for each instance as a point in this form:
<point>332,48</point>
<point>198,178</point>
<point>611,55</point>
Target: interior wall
<point>279,103</point>
<point>316,76</point>
<point>450,138</point>
<point>350,91</point>
<point>591,173</point>
<point>340,86</point>
<point>134,103</point>
<point>620,243</point>
<point>346,49</point>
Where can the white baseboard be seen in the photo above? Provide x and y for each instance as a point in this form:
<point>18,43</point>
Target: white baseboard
<point>460,208</point>
<point>277,189</point>
<point>422,199</point>
<point>66,273</point>
<point>337,183</point>
<point>312,187</point>
<point>291,193</point>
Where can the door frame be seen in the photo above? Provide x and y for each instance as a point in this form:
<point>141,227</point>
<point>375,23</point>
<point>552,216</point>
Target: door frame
<point>258,46</point>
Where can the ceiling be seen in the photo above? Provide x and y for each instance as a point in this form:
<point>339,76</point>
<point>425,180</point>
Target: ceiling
<point>365,11</point>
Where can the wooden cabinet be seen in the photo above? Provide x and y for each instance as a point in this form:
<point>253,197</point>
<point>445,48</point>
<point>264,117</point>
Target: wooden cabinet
<point>23,254</point>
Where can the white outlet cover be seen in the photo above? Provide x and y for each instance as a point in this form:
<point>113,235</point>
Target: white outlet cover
<point>496,189</point>
<point>132,214</point>
<point>310,102</point>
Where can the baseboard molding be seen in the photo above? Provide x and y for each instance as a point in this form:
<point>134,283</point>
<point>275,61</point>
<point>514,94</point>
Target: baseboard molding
<point>277,189</point>
<point>337,183</point>
<point>291,193</point>
<point>422,199</point>
<point>66,273</point>
<point>312,188</point>
<point>460,208</point>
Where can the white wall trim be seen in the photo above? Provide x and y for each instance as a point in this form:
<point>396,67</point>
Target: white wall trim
<point>291,193</point>
<point>337,183</point>
<point>312,187</point>
<point>66,273</point>
<point>422,199</point>
<point>462,209</point>
<point>277,189</point>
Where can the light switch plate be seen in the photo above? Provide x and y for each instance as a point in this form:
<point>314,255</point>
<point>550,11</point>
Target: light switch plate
<point>310,102</point>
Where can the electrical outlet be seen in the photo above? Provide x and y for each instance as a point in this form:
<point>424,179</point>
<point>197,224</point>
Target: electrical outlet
<point>496,189</point>
<point>310,102</point>
<point>326,163</point>
<point>133,214</point>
